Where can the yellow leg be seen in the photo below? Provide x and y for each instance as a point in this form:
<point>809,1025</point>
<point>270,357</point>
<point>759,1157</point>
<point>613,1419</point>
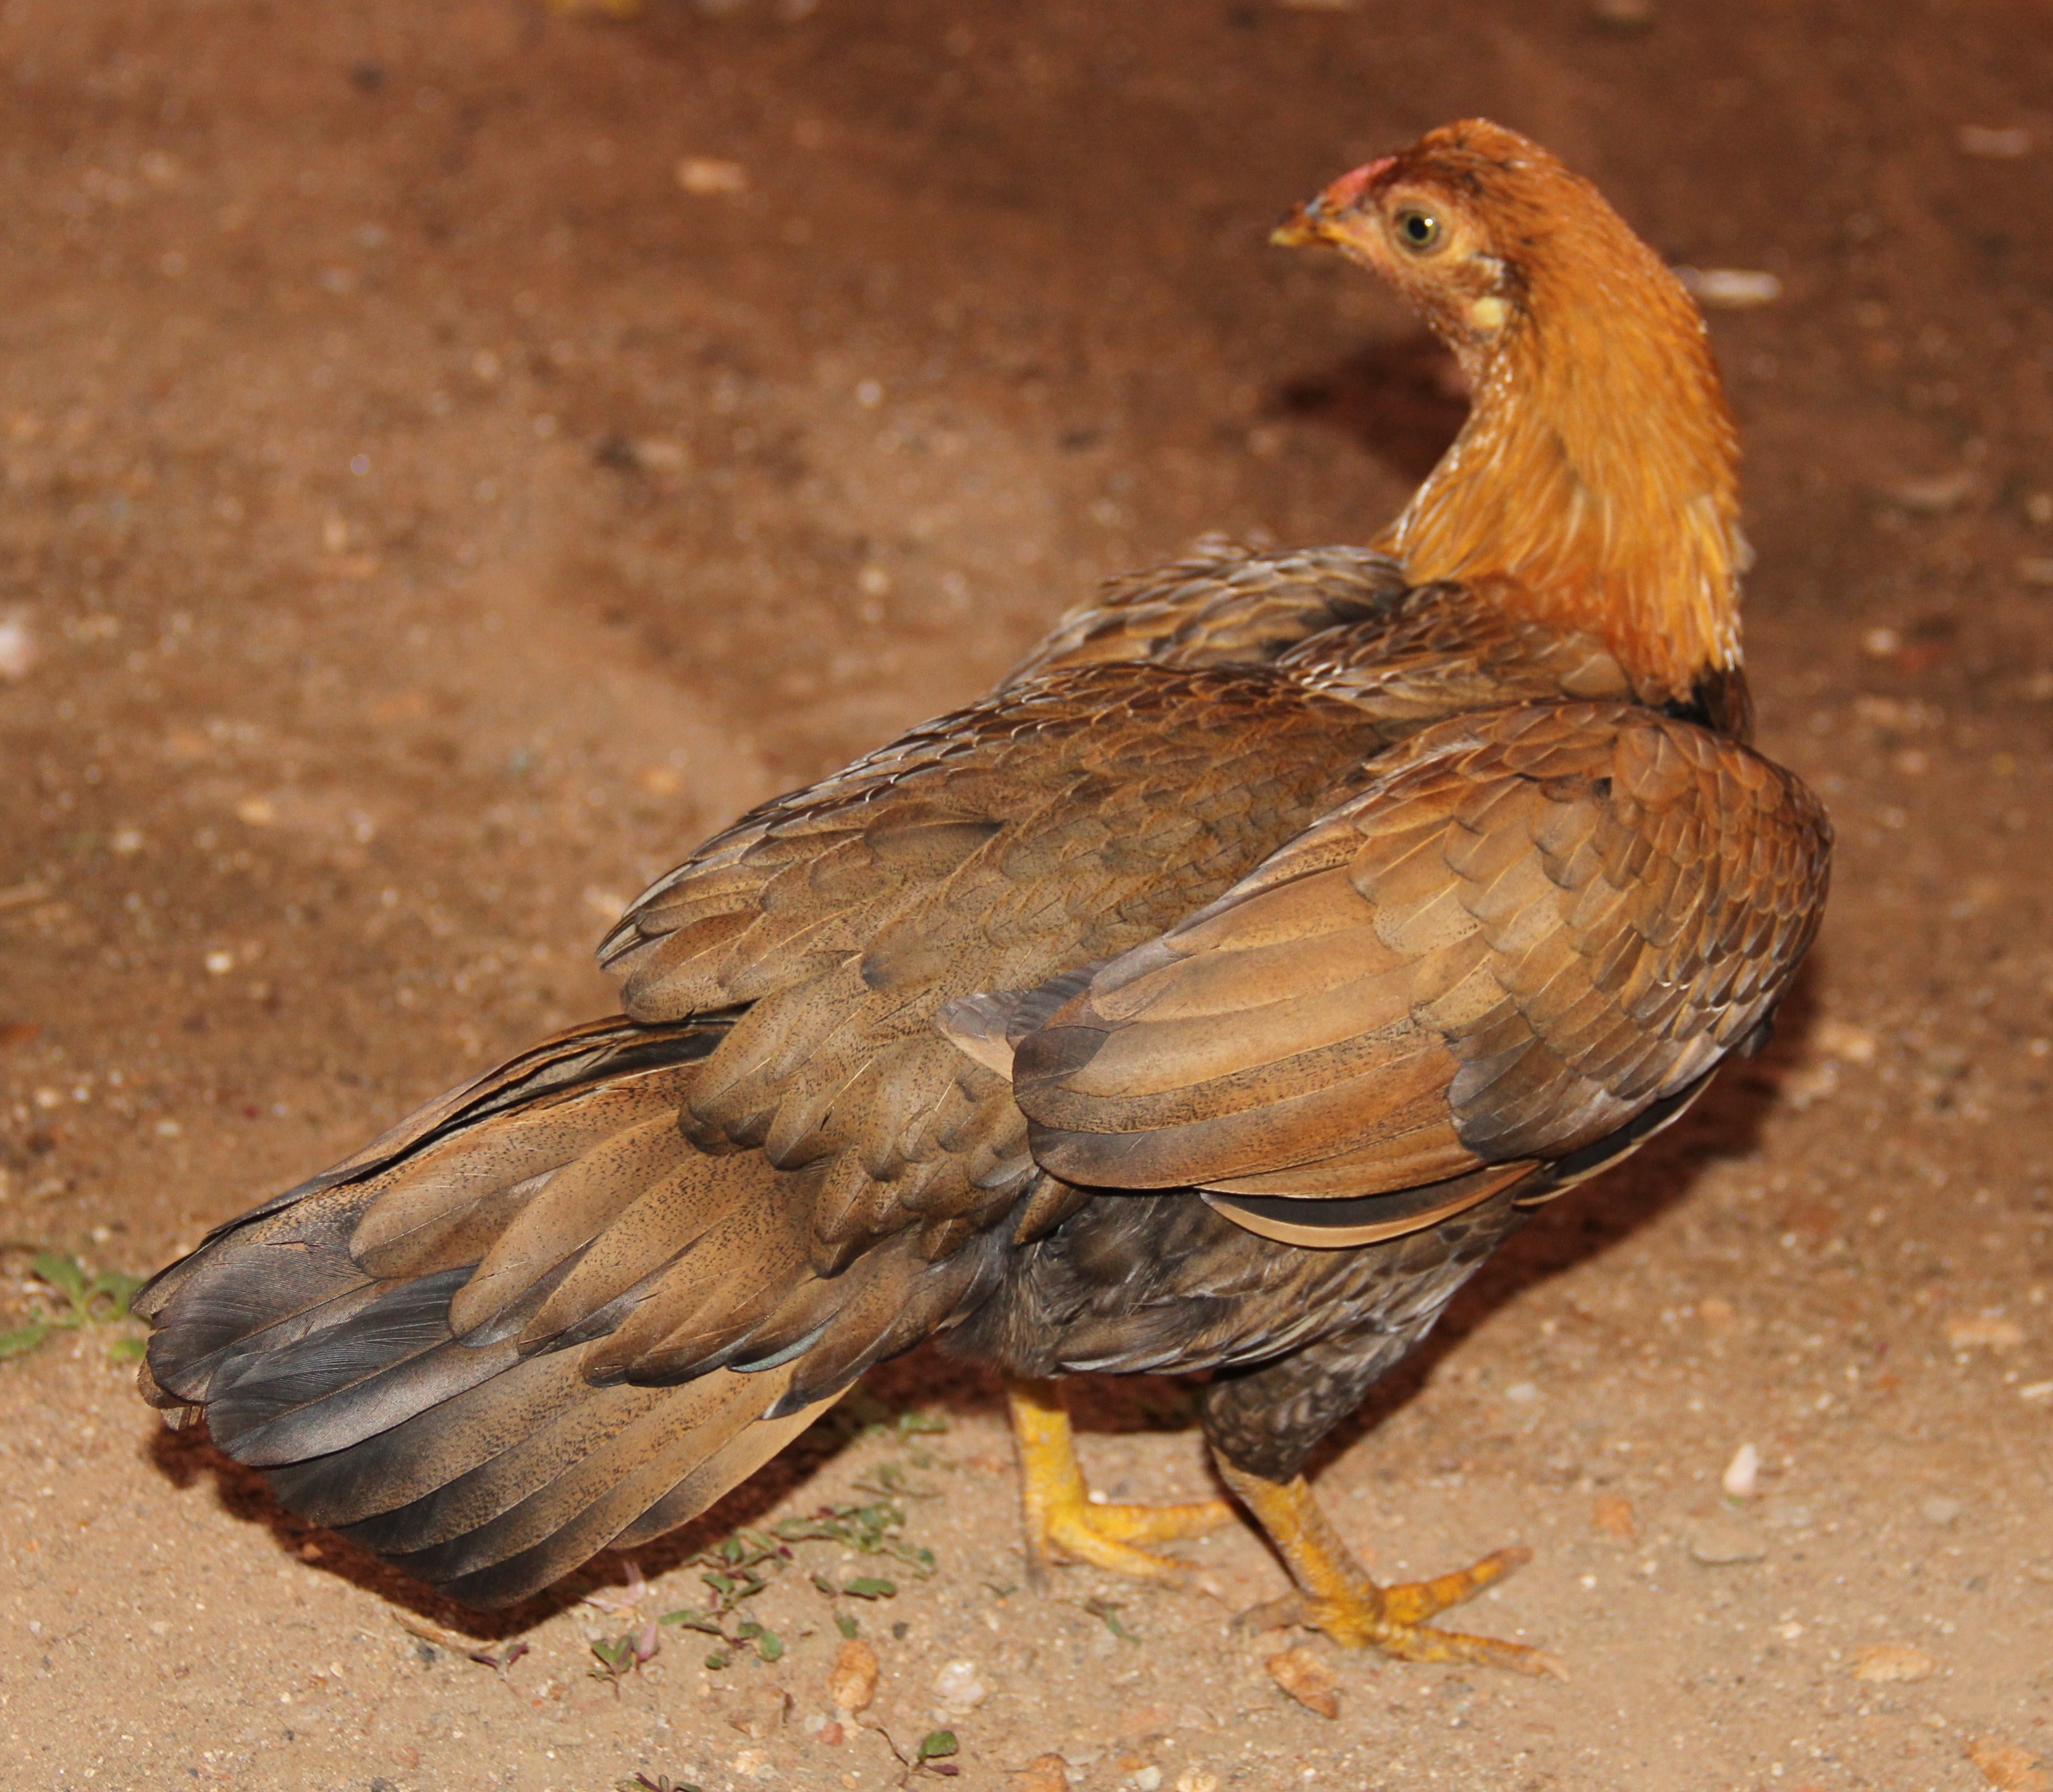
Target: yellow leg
<point>1336,1595</point>
<point>1061,1519</point>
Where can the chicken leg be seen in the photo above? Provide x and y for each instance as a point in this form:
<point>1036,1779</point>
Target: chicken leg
<point>1335,1594</point>
<point>1063,1520</point>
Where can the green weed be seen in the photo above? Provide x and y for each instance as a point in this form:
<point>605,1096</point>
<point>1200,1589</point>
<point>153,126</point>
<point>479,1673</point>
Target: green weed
<point>70,1300</point>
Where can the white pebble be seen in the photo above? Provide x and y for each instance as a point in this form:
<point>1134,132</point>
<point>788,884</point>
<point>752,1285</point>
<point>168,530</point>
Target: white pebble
<point>1742,1476</point>
<point>18,652</point>
<point>1729,288</point>
<point>960,1686</point>
<point>706,175</point>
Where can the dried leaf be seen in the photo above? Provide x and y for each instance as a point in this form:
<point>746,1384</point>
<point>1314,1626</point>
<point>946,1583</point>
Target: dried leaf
<point>2009,1768</point>
<point>1613,1515</point>
<point>852,1682</point>
<point>1307,1679</point>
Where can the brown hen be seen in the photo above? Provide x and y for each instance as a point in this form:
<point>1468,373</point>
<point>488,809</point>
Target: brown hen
<point>1215,994</point>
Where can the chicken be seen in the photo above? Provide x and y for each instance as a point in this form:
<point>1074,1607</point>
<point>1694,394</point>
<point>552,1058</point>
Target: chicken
<point>1215,994</point>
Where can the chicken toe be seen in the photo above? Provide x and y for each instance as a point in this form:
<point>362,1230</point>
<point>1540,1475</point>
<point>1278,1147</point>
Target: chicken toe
<point>1063,1522</point>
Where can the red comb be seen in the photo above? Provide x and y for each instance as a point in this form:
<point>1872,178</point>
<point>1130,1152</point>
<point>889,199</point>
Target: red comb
<point>1351,185</point>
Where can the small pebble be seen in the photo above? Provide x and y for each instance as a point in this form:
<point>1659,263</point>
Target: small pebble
<point>1849,1044</point>
<point>1892,1661</point>
<point>1742,1476</point>
<point>1984,1331</point>
<point>1146,1779</point>
<point>1196,1779</point>
<point>1045,1773</point>
<point>1999,144</point>
<point>1729,288</point>
<point>960,1688</point>
<point>1933,496</point>
<point>18,651</point>
<point>1719,1542</point>
<point>707,174</point>
<point>1942,1512</point>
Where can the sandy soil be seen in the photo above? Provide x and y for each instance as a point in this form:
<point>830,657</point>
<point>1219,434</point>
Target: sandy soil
<point>456,455</point>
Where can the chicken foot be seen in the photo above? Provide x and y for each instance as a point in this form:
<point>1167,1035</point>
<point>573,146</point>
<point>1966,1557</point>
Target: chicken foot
<point>1336,1595</point>
<point>1062,1520</point>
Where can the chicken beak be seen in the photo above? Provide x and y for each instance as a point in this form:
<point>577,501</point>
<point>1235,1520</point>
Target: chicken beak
<point>1303,228</point>
<point>1323,219</point>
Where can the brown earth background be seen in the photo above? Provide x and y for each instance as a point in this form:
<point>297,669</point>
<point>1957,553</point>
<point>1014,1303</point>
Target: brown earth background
<point>455,455</point>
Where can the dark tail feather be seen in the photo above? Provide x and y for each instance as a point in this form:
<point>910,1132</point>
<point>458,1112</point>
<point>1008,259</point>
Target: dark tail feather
<point>315,1334</point>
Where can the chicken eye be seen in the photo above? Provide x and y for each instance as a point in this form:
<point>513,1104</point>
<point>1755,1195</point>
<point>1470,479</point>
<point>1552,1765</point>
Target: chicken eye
<point>1418,230</point>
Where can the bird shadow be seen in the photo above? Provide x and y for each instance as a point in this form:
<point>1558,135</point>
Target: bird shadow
<point>1402,398</point>
<point>1587,1223</point>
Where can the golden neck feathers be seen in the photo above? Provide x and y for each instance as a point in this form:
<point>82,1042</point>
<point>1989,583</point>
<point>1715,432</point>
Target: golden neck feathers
<point>1594,484</point>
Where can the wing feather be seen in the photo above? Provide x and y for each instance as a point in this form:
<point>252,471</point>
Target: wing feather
<point>1531,926</point>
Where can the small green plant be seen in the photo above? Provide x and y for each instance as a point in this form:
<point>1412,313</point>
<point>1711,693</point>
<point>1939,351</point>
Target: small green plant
<point>619,1657</point>
<point>739,1567</point>
<point>71,1300</point>
<point>663,1783</point>
<point>1107,1613</point>
<point>498,1660</point>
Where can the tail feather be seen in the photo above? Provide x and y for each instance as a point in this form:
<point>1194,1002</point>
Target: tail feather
<point>394,1359</point>
<point>748,1450</point>
<point>704,1199</point>
<point>510,1481</point>
<point>419,1200</point>
<point>496,1340</point>
<point>434,1449</point>
<point>570,1213</point>
<point>599,1491</point>
<point>290,1275</point>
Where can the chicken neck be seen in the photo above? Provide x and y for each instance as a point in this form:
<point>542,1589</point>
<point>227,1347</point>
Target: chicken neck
<point>1594,484</point>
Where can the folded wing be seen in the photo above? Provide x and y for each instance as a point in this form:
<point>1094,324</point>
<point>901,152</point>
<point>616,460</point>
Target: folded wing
<point>1534,927</point>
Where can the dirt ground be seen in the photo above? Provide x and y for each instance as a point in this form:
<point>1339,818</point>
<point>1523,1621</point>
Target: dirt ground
<point>457,456</point>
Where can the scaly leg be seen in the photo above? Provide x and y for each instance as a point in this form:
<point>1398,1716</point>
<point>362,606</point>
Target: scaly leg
<point>1062,1519</point>
<point>1336,1595</point>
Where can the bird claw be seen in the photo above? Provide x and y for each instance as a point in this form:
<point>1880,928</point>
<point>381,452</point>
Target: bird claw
<point>1109,1536</point>
<point>1390,1619</point>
